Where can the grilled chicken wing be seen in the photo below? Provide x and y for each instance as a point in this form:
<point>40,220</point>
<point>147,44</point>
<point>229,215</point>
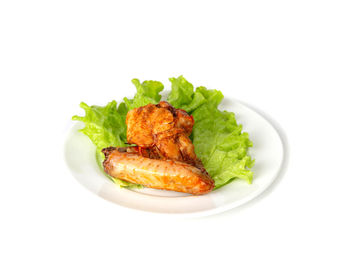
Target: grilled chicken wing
<point>162,127</point>
<point>160,174</point>
<point>153,153</point>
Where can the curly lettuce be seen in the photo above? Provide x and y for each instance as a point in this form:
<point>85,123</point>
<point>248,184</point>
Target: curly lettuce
<point>105,126</point>
<point>218,140</point>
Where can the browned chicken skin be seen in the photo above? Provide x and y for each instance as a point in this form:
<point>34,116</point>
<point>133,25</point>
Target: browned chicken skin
<point>153,153</point>
<point>159,174</point>
<point>164,157</point>
<point>164,127</point>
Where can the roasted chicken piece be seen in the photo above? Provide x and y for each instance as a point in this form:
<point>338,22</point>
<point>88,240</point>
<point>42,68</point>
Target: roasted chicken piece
<point>163,128</point>
<point>129,165</point>
<point>153,153</point>
<point>164,157</point>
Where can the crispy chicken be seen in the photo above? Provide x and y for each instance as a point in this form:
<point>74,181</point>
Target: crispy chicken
<point>163,128</point>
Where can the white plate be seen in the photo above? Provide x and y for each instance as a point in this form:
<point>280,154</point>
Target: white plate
<point>267,151</point>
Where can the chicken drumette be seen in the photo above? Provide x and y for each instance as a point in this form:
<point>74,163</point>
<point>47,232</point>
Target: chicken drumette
<point>162,129</point>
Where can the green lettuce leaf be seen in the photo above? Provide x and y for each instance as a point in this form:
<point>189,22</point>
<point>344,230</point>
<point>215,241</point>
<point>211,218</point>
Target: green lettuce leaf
<point>218,140</point>
<point>147,92</point>
<point>181,92</point>
<point>105,126</point>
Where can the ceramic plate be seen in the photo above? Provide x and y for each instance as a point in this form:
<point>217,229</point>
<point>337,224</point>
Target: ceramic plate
<point>267,151</point>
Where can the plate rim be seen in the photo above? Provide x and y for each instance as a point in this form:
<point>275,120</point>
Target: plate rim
<point>216,210</point>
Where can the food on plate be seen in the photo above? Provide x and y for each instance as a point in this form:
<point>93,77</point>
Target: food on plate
<point>163,128</point>
<point>165,157</point>
<point>156,173</point>
<point>212,141</point>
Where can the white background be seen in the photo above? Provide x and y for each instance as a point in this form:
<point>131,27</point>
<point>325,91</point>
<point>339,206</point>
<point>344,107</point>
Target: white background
<point>290,59</point>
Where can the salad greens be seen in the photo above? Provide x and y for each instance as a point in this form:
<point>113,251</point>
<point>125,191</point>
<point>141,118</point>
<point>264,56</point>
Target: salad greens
<point>218,140</point>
